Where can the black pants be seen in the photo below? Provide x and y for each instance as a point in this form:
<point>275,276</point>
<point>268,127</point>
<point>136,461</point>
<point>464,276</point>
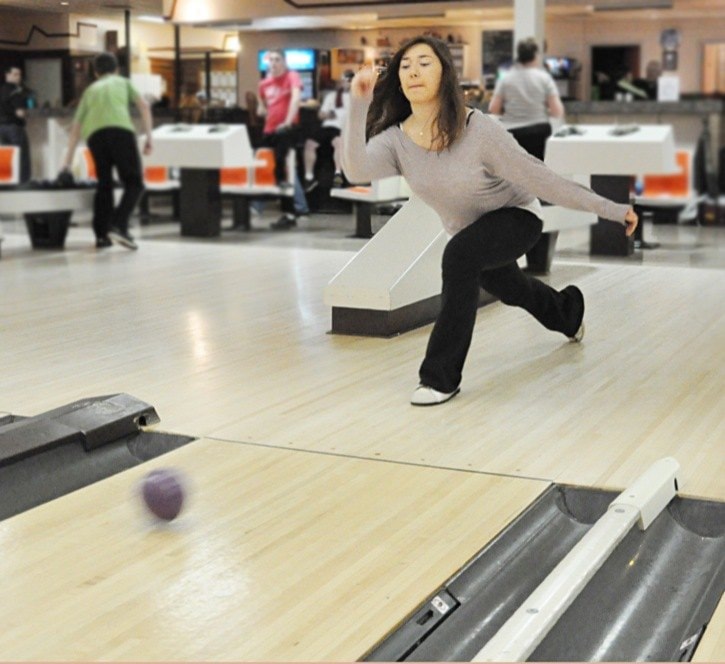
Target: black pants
<point>14,134</point>
<point>281,143</point>
<point>484,254</point>
<point>117,147</point>
<point>532,138</point>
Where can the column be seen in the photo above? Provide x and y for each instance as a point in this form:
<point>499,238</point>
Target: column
<point>529,22</point>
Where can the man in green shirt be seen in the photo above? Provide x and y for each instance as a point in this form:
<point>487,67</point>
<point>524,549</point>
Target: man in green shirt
<point>103,119</point>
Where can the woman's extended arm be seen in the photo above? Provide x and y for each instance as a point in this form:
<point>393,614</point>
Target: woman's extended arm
<point>509,161</point>
<point>363,162</point>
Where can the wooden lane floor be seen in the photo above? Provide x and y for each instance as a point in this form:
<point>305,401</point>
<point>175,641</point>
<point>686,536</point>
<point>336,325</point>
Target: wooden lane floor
<point>279,555</point>
<point>230,341</point>
<point>645,383</point>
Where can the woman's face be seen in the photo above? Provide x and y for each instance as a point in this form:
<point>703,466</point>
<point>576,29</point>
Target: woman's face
<point>420,74</point>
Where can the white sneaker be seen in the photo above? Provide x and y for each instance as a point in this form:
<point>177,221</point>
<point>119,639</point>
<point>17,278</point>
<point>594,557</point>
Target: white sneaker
<point>427,396</point>
<point>124,239</point>
<point>579,334</point>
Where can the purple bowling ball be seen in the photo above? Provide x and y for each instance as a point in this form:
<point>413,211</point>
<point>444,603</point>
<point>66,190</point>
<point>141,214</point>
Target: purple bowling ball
<point>163,493</point>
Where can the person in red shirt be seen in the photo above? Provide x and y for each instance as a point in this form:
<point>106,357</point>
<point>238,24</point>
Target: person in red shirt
<point>279,100</point>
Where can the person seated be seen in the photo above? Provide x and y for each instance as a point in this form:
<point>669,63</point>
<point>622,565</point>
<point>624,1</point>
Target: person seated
<point>332,113</point>
<point>649,84</point>
<point>626,86</point>
<point>189,105</point>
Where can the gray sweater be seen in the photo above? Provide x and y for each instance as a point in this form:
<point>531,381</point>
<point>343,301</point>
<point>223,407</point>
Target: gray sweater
<point>484,170</point>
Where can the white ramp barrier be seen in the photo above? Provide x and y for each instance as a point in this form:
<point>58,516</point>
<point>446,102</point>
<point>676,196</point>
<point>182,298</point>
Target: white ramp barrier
<point>532,621</point>
<point>393,283</point>
<point>365,198</point>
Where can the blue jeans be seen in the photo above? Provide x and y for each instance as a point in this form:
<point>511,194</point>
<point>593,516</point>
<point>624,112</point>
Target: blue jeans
<point>299,200</point>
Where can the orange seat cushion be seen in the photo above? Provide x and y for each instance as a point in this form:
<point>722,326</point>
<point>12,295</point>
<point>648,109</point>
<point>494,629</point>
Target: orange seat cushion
<point>90,165</point>
<point>6,164</point>
<point>264,175</point>
<point>234,176</point>
<point>677,184</point>
<point>155,174</point>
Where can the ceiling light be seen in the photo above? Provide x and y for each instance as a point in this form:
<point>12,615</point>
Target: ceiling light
<point>231,43</point>
<point>152,19</point>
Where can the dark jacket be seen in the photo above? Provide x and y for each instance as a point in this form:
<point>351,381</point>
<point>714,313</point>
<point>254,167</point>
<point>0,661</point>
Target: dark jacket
<point>12,98</point>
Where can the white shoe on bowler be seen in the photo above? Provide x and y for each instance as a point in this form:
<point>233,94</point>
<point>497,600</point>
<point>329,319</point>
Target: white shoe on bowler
<point>427,396</point>
<point>579,334</point>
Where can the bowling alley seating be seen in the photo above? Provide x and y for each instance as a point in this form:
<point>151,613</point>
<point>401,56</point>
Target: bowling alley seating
<point>83,166</point>
<point>366,198</point>
<point>258,181</point>
<point>158,180</point>
<point>671,198</point>
<point>9,170</point>
<point>48,205</point>
<point>9,165</point>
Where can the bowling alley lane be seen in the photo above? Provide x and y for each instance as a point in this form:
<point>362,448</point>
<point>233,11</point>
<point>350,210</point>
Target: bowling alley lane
<point>277,555</point>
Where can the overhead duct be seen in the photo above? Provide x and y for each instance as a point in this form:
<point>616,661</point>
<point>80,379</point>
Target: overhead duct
<point>413,15</point>
<point>232,24</point>
<point>631,5</point>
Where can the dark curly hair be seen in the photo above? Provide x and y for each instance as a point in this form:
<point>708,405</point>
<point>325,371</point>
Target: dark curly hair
<point>390,106</point>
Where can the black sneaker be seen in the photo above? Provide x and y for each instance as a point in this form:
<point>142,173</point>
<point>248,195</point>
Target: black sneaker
<point>103,243</point>
<point>310,184</point>
<point>576,309</point>
<point>338,181</point>
<point>124,239</point>
<point>284,223</point>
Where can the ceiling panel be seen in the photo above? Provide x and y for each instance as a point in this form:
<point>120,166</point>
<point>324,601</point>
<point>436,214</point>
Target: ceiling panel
<point>87,6</point>
<point>385,14</point>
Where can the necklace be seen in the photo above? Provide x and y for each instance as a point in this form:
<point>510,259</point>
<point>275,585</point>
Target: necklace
<point>426,123</point>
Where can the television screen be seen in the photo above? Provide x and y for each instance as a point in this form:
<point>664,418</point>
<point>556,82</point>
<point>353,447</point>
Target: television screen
<point>299,59</point>
<point>558,67</point>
